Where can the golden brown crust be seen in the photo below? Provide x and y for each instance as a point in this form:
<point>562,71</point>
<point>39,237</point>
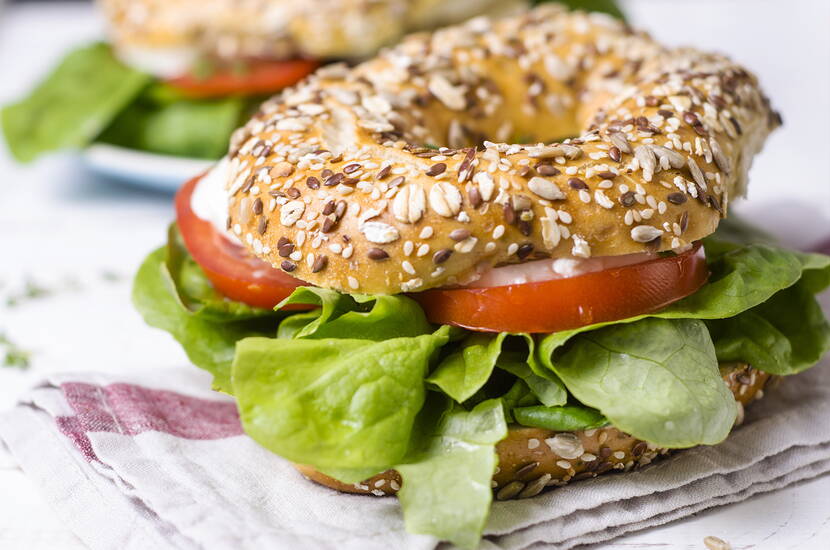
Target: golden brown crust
<point>531,459</point>
<point>277,28</point>
<point>353,201</point>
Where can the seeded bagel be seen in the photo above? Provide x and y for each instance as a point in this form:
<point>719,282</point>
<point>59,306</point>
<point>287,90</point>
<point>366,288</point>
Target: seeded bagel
<point>345,180</point>
<point>531,459</point>
<point>278,28</point>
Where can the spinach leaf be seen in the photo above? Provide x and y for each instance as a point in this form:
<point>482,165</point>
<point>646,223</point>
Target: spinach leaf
<point>656,379</point>
<point>162,121</point>
<point>785,335</point>
<point>71,107</point>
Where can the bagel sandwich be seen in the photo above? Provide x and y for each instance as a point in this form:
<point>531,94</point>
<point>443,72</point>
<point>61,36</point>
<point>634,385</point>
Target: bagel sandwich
<point>488,262</point>
<point>178,76</point>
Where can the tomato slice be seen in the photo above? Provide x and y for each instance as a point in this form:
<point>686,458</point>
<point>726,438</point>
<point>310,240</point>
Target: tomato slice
<point>229,266</point>
<point>563,304</point>
<point>259,77</point>
<point>537,307</point>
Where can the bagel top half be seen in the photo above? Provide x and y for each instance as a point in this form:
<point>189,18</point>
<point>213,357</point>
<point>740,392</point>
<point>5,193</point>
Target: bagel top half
<point>400,175</point>
<point>273,29</point>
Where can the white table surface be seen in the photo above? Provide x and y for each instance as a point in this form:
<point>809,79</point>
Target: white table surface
<point>69,231</point>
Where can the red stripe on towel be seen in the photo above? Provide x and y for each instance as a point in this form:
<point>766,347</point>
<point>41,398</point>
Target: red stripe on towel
<point>130,410</point>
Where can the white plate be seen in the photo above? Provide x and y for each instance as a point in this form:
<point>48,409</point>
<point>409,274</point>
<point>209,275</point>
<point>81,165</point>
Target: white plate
<point>143,169</point>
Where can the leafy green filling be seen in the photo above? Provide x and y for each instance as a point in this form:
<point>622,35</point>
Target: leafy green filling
<point>90,96</point>
<point>362,384</point>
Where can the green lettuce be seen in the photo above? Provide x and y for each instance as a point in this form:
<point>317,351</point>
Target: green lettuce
<point>355,316</point>
<point>465,371</point>
<point>655,355</point>
<point>161,120</point>
<point>334,403</point>
<point>172,293</point>
<point>73,105</point>
<point>785,335</point>
<point>362,383</point>
<point>446,485</point>
<point>92,97</point>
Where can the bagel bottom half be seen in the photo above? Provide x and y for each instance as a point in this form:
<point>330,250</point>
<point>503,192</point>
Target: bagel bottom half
<point>531,459</point>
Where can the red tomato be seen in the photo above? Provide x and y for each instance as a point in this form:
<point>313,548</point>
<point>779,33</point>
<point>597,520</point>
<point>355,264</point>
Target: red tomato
<point>539,307</point>
<point>562,304</point>
<point>259,78</point>
<point>230,267</point>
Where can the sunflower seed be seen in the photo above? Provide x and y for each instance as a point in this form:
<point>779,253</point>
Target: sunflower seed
<point>550,229</point>
<point>620,142</point>
<point>715,543</point>
<point>648,162</point>
<point>674,159</point>
<point>510,490</point>
<point>697,173</point>
<point>486,185</point>
<point>535,487</point>
<point>720,159</point>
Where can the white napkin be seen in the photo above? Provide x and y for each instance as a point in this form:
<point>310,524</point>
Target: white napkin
<point>160,461</point>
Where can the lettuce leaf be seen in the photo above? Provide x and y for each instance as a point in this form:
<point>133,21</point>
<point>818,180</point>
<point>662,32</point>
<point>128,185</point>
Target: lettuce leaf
<point>446,486</point>
<point>785,335</point>
<point>334,403</point>
<point>345,387</point>
<point>72,105</point>
<point>354,316</point>
<point>161,120</point>
<point>172,293</point>
<point>744,288</point>
<point>461,374</point>
<point>465,371</point>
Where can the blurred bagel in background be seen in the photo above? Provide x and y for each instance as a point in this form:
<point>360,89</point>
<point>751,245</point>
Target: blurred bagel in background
<point>165,36</point>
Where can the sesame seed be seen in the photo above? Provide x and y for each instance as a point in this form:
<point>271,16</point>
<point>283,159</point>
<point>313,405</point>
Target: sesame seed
<point>288,266</point>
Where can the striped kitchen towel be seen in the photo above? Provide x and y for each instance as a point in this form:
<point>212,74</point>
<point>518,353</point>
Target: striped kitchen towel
<point>160,461</point>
